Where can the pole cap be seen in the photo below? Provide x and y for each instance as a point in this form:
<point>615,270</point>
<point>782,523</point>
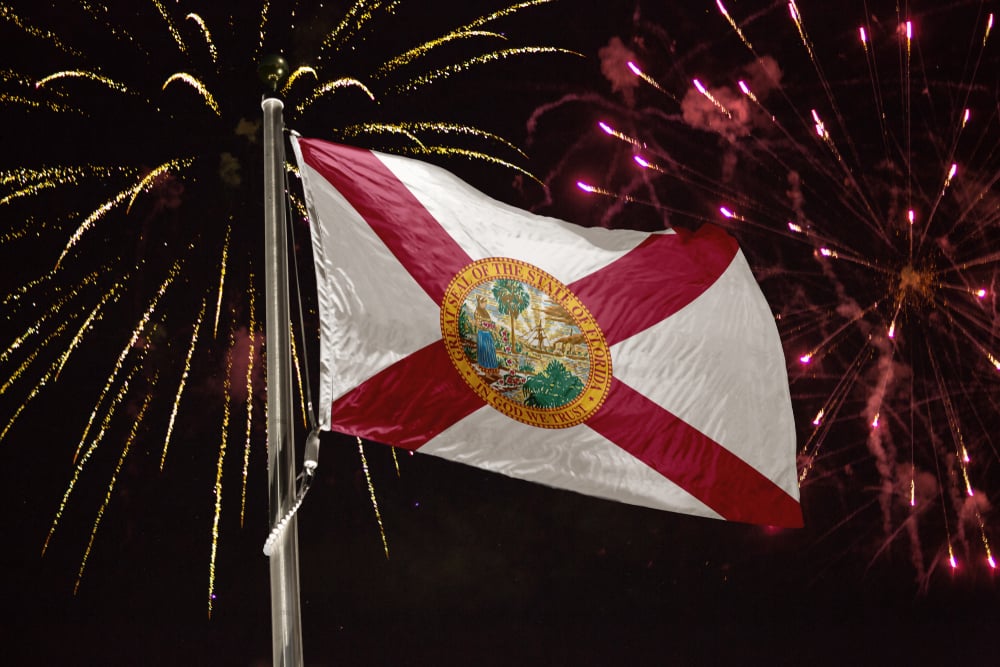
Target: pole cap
<point>273,71</point>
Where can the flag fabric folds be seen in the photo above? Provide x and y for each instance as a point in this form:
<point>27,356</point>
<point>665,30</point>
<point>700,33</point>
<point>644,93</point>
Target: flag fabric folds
<point>640,367</point>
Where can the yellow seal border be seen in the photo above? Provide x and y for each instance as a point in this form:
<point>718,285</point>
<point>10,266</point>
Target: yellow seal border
<point>599,381</point>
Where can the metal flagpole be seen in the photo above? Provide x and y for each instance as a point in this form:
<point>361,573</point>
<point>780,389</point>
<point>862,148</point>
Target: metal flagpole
<point>286,624</point>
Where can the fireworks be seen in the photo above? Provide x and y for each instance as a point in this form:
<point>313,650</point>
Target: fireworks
<point>131,222</point>
<point>858,168</point>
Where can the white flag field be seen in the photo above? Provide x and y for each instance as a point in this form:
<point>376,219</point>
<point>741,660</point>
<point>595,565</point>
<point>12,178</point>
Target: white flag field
<point>644,368</point>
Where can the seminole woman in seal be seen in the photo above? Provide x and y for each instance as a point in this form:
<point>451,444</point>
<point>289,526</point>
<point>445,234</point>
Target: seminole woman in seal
<point>486,352</point>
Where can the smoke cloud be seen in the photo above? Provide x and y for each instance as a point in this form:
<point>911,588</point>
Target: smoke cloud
<point>614,66</point>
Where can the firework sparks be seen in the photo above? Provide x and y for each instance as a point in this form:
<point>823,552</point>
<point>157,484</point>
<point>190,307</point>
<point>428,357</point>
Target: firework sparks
<point>81,461</point>
<point>111,487</point>
<point>165,196</point>
<point>915,291</point>
<point>181,385</point>
<point>884,293</point>
<point>80,74</point>
<point>131,345</point>
<point>251,353</point>
<point>213,52</point>
<point>227,396</point>
<point>33,182</point>
<point>442,73</point>
<point>711,98</point>
<point>129,193</point>
<point>371,494</point>
<point>299,72</point>
<point>334,86</point>
<point>206,95</point>
<point>222,279</point>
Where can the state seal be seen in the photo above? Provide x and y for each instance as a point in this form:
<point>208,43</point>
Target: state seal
<point>525,343</point>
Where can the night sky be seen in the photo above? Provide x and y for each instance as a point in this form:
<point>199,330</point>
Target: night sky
<point>482,569</point>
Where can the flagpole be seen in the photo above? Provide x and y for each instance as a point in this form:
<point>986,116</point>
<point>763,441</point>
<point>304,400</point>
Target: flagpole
<point>286,624</point>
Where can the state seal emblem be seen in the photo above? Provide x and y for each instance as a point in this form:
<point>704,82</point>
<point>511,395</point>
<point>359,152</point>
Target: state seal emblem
<point>525,343</point>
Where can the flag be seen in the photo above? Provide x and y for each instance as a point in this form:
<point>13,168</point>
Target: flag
<point>640,367</point>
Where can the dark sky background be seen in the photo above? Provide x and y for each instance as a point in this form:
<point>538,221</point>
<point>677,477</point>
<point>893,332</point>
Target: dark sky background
<point>482,570</point>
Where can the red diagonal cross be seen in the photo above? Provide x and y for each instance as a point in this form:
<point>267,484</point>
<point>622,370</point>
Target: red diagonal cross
<point>412,401</point>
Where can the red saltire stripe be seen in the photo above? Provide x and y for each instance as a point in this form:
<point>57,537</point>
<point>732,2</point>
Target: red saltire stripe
<point>408,403</point>
<point>654,280</point>
<point>692,460</point>
<point>410,232</point>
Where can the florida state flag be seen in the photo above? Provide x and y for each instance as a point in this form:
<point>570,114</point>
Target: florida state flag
<point>643,368</point>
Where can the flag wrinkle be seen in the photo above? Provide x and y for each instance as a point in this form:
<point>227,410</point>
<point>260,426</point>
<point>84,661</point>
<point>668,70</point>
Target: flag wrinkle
<point>406,404</point>
<point>410,233</point>
<point>580,452</point>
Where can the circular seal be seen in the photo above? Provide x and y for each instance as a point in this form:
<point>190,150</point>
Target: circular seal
<point>525,343</point>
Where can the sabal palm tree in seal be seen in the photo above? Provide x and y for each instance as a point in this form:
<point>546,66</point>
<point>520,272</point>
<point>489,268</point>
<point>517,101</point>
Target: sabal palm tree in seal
<point>512,300</point>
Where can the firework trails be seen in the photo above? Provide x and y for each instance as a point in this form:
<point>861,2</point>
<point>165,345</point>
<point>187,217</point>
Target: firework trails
<point>857,163</point>
<point>139,212</point>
